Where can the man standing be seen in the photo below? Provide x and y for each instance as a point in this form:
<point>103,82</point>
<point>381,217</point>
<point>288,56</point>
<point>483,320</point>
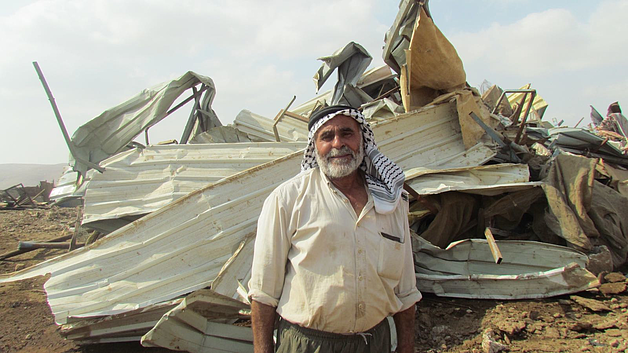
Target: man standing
<point>333,256</point>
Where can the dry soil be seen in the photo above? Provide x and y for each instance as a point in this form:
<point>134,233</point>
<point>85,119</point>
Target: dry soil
<point>594,321</point>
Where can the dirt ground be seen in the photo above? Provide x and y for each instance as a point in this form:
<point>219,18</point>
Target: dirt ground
<point>594,321</point>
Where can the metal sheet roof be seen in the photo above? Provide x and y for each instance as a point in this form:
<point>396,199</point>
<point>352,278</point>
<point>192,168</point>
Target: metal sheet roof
<point>141,181</point>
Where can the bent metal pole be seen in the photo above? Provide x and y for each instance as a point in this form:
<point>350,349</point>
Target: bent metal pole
<point>68,141</point>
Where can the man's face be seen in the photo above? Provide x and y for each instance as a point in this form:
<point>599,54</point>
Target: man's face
<point>339,147</point>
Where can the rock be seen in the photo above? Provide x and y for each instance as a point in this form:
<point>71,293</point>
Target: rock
<point>600,260</point>
<point>439,330</point>
<point>591,304</point>
<point>605,325</point>
<point>511,327</point>
<point>552,332</point>
<point>581,326</point>
<point>534,315</point>
<point>613,288</point>
<point>490,345</point>
<point>615,277</point>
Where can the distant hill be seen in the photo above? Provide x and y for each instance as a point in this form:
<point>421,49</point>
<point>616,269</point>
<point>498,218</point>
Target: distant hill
<point>29,174</point>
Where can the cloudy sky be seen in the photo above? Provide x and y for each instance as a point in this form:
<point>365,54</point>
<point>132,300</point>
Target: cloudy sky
<point>96,54</point>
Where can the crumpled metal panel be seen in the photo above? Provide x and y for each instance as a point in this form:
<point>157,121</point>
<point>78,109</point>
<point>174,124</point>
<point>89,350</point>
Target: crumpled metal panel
<point>351,62</point>
<point>140,181</point>
<point>191,326</point>
<point>528,270</point>
<point>486,180</point>
<point>173,251</point>
<point>106,134</point>
<point>260,128</point>
<point>429,137</point>
<point>182,247</point>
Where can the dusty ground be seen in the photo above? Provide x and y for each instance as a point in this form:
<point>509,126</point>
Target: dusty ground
<point>586,322</point>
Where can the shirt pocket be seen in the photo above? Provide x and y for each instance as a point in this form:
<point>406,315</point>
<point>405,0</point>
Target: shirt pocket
<point>391,256</point>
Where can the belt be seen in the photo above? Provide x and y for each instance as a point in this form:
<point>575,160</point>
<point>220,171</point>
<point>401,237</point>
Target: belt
<point>309,332</point>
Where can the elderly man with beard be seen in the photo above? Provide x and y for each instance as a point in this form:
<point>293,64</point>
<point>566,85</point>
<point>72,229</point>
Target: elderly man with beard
<point>333,257</point>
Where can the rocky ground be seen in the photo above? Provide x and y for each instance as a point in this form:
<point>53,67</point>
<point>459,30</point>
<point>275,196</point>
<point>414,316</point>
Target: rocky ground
<point>594,321</point>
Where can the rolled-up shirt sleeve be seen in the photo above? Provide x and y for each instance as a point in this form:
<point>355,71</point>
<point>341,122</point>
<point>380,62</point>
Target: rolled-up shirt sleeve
<point>272,244</point>
<point>406,290</point>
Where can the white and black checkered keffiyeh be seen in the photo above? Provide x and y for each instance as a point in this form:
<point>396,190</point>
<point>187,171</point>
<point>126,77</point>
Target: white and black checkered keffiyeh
<point>384,178</point>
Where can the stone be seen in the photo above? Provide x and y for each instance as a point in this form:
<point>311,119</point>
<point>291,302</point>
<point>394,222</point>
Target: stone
<point>511,327</point>
<point>591,304</point>
<point>581,326</point>
<point>600,260</point>
<point>534,315</point>
<point>615,277</point>
<point>552,332</point>
<point>613,288</point>
<point>490,345</point>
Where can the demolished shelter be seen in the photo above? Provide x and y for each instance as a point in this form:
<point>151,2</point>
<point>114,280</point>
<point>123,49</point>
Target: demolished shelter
<point>499,196</point>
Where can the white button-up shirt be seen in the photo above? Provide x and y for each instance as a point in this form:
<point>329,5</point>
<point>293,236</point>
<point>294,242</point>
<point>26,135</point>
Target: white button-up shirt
<point>325,267</point>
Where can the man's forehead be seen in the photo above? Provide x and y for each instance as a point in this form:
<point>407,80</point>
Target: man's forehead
<point>340,120</point>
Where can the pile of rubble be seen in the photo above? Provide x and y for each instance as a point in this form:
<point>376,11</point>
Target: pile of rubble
<point>20,197</point>
<point>505,205</point>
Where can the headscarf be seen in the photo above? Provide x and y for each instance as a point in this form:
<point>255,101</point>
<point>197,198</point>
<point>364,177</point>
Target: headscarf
<point>383,177</point>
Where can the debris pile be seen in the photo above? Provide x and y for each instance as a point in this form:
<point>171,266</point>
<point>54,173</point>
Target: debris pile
<point>500,196</point>
<point>21,197</point>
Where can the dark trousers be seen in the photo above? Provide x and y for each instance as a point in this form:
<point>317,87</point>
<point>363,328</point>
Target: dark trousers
<point>293,338</point>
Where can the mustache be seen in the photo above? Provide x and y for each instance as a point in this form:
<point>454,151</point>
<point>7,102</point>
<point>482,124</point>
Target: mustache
<point>334,152</point>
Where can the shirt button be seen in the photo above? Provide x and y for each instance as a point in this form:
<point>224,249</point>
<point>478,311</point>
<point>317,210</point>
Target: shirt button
<point>359,251</point>
<point>360,306</point>
<point>359,277</point>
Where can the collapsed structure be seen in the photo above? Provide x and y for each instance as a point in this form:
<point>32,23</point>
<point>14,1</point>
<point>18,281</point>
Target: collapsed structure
<point>504,205</point>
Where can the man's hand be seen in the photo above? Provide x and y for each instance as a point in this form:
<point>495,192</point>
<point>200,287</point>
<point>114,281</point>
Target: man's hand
<point>404,321</point>
<point>263,322</point>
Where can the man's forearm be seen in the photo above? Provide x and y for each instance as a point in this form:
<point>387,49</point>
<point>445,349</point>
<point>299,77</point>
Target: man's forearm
<point>263,322</point>
<point>404,321</point>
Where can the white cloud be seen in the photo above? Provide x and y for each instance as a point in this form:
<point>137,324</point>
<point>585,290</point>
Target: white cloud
<point>548,42</point>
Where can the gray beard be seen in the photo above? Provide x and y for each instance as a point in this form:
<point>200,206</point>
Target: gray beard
<point>336,170</point>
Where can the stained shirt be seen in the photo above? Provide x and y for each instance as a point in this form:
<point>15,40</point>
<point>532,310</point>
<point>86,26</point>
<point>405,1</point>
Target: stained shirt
<point>324,266</point>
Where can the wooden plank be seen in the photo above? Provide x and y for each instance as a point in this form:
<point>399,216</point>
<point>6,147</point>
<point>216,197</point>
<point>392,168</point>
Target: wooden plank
<point>497,255</point>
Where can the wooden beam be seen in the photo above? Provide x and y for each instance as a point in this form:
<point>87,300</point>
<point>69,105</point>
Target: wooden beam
<point>497,255</point>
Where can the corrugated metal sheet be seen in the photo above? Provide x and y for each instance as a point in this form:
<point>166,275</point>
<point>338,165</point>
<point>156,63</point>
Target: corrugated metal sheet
<point>175,250</point>
<point>141,181</point>
<point>183,246</point>
<point>261,128</point>
<point>430,138</point>
<point>108,133</point>
<point>529,270</point>
<point>485,180</point>
<point>125,327</point>
<point>191,327</point>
